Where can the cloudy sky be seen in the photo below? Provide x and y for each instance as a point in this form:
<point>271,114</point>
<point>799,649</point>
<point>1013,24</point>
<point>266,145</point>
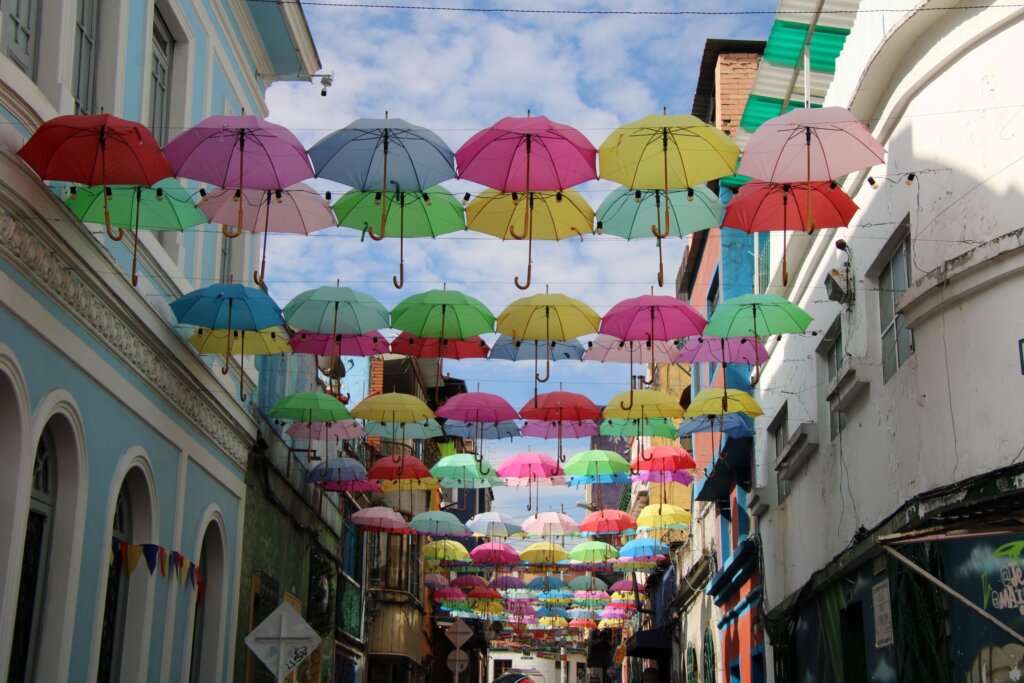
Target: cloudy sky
<point>459,72</point>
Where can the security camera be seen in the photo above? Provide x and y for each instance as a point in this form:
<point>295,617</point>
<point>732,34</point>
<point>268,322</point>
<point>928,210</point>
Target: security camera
<point>837,288</point>
<point>326,81</point>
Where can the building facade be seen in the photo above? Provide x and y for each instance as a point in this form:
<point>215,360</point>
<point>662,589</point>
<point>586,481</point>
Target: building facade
<point>124,454</point>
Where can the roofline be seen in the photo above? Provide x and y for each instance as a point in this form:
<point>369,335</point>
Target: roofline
<point>713,47</point>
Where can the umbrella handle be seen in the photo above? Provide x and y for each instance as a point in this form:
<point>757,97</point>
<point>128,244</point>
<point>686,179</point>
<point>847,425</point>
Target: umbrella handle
<point>547,372</point>
<point>116,236</point>
<point>231,231</point>
<point>658,233</point>
<point>529,265</point>
<point>622,404</point>
<point>257,277</point>
<point>135,256</point>
<point>399,281</point>
<point>661,266</point>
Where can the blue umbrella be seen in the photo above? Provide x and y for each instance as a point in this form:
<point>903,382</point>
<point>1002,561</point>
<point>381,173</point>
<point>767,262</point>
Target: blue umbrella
<point>546,583</point>
<point>486,430</point>
<point>506,348</point>
<point>589,480</point>
<point>549,611</point>
<point>642,549</point>
<point>400,431</point>
<point>341,474</point>
<point>588,583</point>
<point>496,524</point>
<point>731,424</point>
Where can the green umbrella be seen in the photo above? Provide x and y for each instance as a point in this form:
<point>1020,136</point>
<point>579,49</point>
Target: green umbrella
<point>638,213</point>
<point>654,426</point>
<point>593,551</point>
<point>442,314</point>
<point>437,523</point>
<point>336,310</point>
<point>587,583</point>
<point>430,213</point>
<point>464,472</point>
<point>400,431</point>
<point>757,315</point>
<point>310,406</point>
<point>595,463</point>
<point>164,206</point>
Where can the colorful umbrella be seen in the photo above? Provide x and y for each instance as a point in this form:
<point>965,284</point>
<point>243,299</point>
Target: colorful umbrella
<point>297,209</point>
<point>635,214</point>
<point>463,471</point>
<point>587,583</point>
<point>595,463</point>
<point>659,516</point>
<point>706,349</point>
<point>731,424</point>
<point>254,343</point>
<point>664,463</point>
<point>370,344</point>
<point>546,215</point>
<point>494,553</point>
<point>445,550</point>
<point>546,582</point>
<point>336,311</point>
<point>531,470</point>
<point>494,430</point>
<point>434,581</point>
<point>165,206</point>
<point>343,430</point>
<point>392,407</point>
<point>607,523</point>
<point>593,551</point>
<point>495,524</point>
<point>507,348</point>
<point>560,407</point>
<point>400,431</point>
<point>722,401</point>
<point>426,347</point>
<point>240,153</point>
<point>309,406</point>
<point>340,474</point>
<point>655,426</point>
<point>550,524</point>
<point>99,149</point>
<point>380,519</point>
<point>468,581</point>
<point>607,349</point>
<point>643,404</point>
<point>432,212</point>
<point>400,467</point>
<point>437,523</point>
<point>477,406</point>
<point>544,552</point>
<point>559,429</point>
<point>644,549</point>
<point>507,582</point>
<point>757,315</point>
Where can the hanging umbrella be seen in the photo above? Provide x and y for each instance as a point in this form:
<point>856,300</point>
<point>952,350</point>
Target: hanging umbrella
<point>370,344</point>
<point>343,430</point>
<point>400,431</point>
<point>336,311</point>
<point>445,550</point>
<point>228,307</point>
<point>507,348</point>
<point>426,347</point>
<point>607,523</point>
<point>560,407</point>
<point>401,468</point>
<point>630,585</point>
<point>463,470</point>
<point>495,554</point>
<point>730,424</point>
<point>583,623</point>
<point>340,474</point>
<point>549,216</point>
<point>380,519</point>
<point>644,548</point>
<point>531,470</point>
<point>430,213</point>
<point>434,581</point>
<point>607,349</point>
<point>757,315</point>
<point>550,524</point>
<point>662,152</point>
<point>663,463</point>
<point>478,408</point>
<point>587,583</point>
<point>483,430</point>
<point>645,403</point>
<point>559,429</point>
<point>495,524</point>
<point>593,551</point>
<point>546,582</point>
<point>165,206</point>
<point>449,594</point>
<point>527,155</point>
<point>246,342</point>
<point>507,582</point>
<point>722,401</point>
<point>707,349</point>
<point>309,406</point>
<point>544,552</point>
<point>99,149</point>
<point>595,463</point>
<point>437,523</point>
<point>546,317</point>
<point>239,153</point>
<point>659,516</point>
<point>809,145</point>
<point>468,581</point>
<point>762,207</point>
<point>655,426</point>
<point>632,214</point>
<point>297,209</point>
<point>371,155</point>
<point>392,407</point>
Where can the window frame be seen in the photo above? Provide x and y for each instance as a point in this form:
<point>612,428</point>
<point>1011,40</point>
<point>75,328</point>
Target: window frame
<point>83,77</point>
<point>27,60</point>
<point>889,293</point>
<point>162,55</point>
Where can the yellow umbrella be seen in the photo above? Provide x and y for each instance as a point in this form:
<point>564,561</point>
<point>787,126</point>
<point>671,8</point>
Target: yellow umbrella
<point>554,622</point>
<point>552,216</point>
<point>544,552</point>
<point>399,485</point>
<point>646,404</point>
<point>446,549</point>
<point>662,516</point>
<point>671,492</point>
<point>246,342</point>
<point>547,317</point>
<point>662,152</point>
<point>721,401</point>
<point>392,407</point>
<point>611,623</point>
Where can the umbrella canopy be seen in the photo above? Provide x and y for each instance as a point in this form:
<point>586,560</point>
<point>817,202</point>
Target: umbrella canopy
<point>529,466</point>
<point>722,401</point>
<point>553,215</point>
<point>812,144</point>
<point>493,430</point>
<point>731,424</point>
<point>608,349</point>
<point>494,553</point>
<point>507,582</point>
<point>593,551</point>
<point>309,406</point>
<point>432,212</point>
<point>641,548</point>
<point>560,406</point>
<point>343,430</point>
<point>643,404</point>
<point>550,524</point>
<point>336,310</point>
<point>340,474</point>
<point>559,429</point>
<point>629,585</point>
<point>370,344</point>
<point>757,315</point>
<point>594,463</point>
<point>665,458</point>
<point>583,623</point>
<point>437,523</point>
<point>426,347</point>
<point>546,582</point>
<point>400,431</point>
<point>587,583</point>
<point>477,406</point>
<point>442,314</point>
<point>392,407</point>
<point>227,307</point>
<point>547,317</point>
<point>657,517</point>
<point>607,522</point>
<point>507,348</point>
<point>655,426</point>
<point>706,349</point>
<point>434,581</point>
<point>465,470</point>
<point>379,518</point>
<point>246,342</point>
<point>445,550</point>
<point>468,581</point>
<point>544,552</point>
<point>495,524</point>
<point>651,317</point>
<point>394,468</point>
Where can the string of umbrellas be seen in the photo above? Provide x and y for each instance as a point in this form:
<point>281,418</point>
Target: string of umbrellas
<point>251,175</point>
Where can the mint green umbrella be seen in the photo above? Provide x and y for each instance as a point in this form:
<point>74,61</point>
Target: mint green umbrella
<point>661,427</point>
<point>438,523</point>
<point>432,212</point>
<point>757,315</point>
<point>400,431</point>
<point>336,310</point>
<point>464,471</point>
<point>165,206</point>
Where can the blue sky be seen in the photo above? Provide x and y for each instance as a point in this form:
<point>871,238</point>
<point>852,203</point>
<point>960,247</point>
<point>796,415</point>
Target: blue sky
<point>459,72</point>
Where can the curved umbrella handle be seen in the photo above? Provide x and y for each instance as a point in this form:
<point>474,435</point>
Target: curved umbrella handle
<point>658,233</point>
<point>622,404</point>
<point>374,236</point>
<point>547,372</point>
<point>228,232</point>
<point>116,236</point>
<point>119,235</point>
<point>529,277</point>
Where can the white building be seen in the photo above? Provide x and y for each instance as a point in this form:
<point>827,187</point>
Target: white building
<point>903,413</point>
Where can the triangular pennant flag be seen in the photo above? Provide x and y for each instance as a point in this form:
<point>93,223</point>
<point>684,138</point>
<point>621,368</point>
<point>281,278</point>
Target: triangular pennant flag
<point>183,570</point>
<point>163,563</point>
<point>174,565</point>
<point>191,573</point>
<point>200,590</point>
<point>150,551</point>
<point>123,551</point>
<point>133,553</point>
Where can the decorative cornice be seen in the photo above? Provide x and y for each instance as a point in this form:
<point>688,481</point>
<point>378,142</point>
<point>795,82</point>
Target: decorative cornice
<point>84,300</point>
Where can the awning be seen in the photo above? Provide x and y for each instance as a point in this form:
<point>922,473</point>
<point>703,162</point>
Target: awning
<point>734,572</point>
<point>649,644</point>
<point>731,467</point>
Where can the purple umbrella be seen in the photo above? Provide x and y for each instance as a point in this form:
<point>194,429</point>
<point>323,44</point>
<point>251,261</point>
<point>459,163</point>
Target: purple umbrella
<point>747,350</point>
<point>505,582</point>
<point>239,152</point>
<point>664,476</point>
<point>477,406</point>
<point>371,344</point>
<point>549,429</point>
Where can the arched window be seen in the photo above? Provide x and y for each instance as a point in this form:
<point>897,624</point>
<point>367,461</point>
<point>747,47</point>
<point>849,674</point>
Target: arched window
<point>691,663</point>
<point>116,606</point>
<point>207,625</point>
<point>710,667</point>
<point>35,561</point>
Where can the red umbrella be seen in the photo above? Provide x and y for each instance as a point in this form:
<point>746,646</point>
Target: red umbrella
<point>607,522</point>
<point>398,467</point>
<point>664,459</point>
<point>98,149</point>
<point>428,347</point>
<point>560,406</point>
<point>762,206</point>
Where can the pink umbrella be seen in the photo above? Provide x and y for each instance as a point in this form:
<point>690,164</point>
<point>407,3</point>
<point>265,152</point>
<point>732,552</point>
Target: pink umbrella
<point>607,349</point>
<point>559,429</point>
<point>550,524</point>
<point>425,347</point>
<point>521,609</point>
<point>380,518</point>
<point>650,318</point>
<point>342,430</point>
<point>297,209</point>
<point>747,350</point>
<point>559,407</point>
<point>239,152</point>
<point>613,613</point>
<point>627,585</point>
<point>530,470</point>
<point>477,406</point>
<point>468,581</point>
<point>507,581</point>
<point>664,477</point>
<point>531,154</point>
<point>494,553</point>
<point>434,581</point>
<point>371,344</point>
<point>449,594</point>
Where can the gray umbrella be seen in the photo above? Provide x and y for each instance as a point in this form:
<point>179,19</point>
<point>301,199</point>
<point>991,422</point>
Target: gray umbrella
<point>508,349</point>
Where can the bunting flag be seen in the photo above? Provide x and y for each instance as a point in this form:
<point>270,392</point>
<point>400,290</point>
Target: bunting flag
<point>181,569</point>
<point>150,551</point>
<point>133,554</point>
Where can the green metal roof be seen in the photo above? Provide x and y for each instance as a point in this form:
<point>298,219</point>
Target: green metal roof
<point>760,108</point>
<point>786,42</point>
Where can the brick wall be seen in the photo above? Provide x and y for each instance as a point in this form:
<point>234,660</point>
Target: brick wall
<point>734,77</point>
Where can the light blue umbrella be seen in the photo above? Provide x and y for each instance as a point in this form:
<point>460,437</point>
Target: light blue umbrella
<point>546,583</point>
<point>437,523</point>
<point>400,431</point>
<point>496,524</point>
<point>643,549</point>
<point>227,307</point>
<point>341,474</point>
<point>506,348</point>
<point>485,430</point>
<point>590,479</point>
<point>731,424</point>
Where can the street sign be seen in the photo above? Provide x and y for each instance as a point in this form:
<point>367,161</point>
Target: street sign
<point>458,661</point>
<point>459,633</point>
<point>283,640</point>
